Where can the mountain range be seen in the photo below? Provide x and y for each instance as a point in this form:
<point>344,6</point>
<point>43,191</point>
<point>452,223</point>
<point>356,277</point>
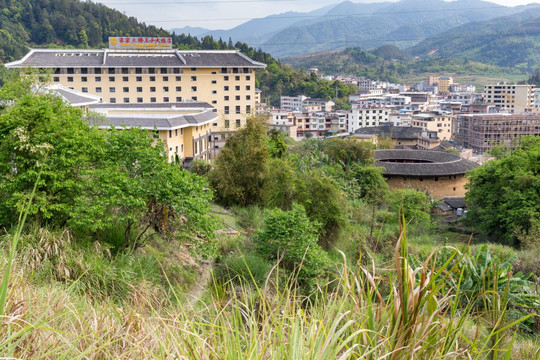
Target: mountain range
<point>364,25</point>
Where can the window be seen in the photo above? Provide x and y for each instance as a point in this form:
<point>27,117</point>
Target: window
<point>165,89</point>
<point>112,100</point>
<point>227,124</point>
<point>97,71</point>
<point>237,97</point>
<point>84,79</point>
<point>152,99</point>
<point>139,88</point>
<point>214,91</point>
<point>237,78</point>
<point>248,97</point>
<point>176,134</point>
<point>56,79</point>
<point>151,70</point>
<point>193,78</point>
<point>125,89</point>
<point>194,98</point>
<point>84,90</point>
<point>248,78</point>
<point>193,88</point>
<point>170,134</point>
<point>98,89</point>
<point>125,78</point>
<point>71,71</point>
<point>125,71</point>
<point>163,70</point>
<point>178,88</point>
<point>139,99</point>
<point>214,101</point>
<point>237,88</point>
<point>237,109</point>
<point>165,99</point>
<point>165,78</point>
<point>248,109</point>
<point>138,78</point>
<point>237,123</point>
<point>152,89</point>
<point>152,78</point>
<point>181,147</point>
<point>126,100</point>
<point>111,70</point>
<point>98,78</point>
<point>214,82</point>
<point>214,125</point>
<point>138,70</point>
<point>226,110</point>
<point>177,149</point>
<point>111,78</point>
<point>226,88</point>
<point>178,99</point>
<point>70,79</point>
<point>226,78</point>
<point>248,87</point>
<point>226,98</point>
<point>112,89</point>
<point>178,78</point>
<point>176,71</point>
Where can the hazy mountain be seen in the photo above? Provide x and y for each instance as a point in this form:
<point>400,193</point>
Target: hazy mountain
<point>507,41</point>
<point>189,30</point>
<point>369,26</point>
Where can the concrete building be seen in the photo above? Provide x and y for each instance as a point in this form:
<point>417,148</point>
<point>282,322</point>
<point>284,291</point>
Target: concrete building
<point>224,79</point>
<point>292,103</point>
<point>444,84</point>
<point>440,122</point>
<point>480,132</point>
<point>403,136</point>
<point>537,98</point>
<point>185,128</point>
<point>364,117</point>
<point>514,98</point>
<point>393,100</point>
<point>283,121</point>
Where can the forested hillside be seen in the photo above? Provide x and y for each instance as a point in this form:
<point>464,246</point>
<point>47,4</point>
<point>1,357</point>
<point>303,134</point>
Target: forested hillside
<point>62,22</point>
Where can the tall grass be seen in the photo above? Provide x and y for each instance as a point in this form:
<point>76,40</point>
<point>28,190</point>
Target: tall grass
<point>395,313</point>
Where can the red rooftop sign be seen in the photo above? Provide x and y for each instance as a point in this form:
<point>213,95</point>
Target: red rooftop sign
<point>150,43</point>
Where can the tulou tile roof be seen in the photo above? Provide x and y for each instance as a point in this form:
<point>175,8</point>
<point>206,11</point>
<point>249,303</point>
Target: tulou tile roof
<point>433,163</point>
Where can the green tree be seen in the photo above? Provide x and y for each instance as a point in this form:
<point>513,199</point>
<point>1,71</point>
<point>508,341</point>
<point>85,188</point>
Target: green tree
<point>504,194</point>
<point>413,204</point>
<point>134,186</point>
<point>348,152</point>
<point>41,134</point>
<point>240,168</point>
<point>291,238</point>
<point>276,144</point>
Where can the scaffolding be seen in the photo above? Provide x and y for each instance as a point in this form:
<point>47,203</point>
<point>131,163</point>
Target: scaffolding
<point>482,132</point>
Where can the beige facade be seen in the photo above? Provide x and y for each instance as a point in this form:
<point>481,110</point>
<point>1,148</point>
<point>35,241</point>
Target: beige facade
<point>224,79</point>
<point>436,186</point>
<point>514,98</point>
<point>444,84</point>
<point>441,123</point>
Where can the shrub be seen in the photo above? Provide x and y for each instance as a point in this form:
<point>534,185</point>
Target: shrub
<point>200,167</point>
<point>291,238</point>
<point>414,205</point>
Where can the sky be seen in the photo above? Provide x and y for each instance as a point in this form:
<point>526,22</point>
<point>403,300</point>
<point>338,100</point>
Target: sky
<point>223,14</point>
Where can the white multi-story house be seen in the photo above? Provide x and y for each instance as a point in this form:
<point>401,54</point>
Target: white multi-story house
<point>393,100</point>
<point>292,103</point>
<point>537,98</point>
<point>360,118</point>
<point>515,98</point>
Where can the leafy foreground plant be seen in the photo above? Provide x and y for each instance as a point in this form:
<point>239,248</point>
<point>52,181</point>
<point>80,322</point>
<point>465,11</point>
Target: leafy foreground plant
<point>397,313</point>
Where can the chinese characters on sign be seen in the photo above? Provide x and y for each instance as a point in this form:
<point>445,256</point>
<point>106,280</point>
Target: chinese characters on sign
<point>150,43</point>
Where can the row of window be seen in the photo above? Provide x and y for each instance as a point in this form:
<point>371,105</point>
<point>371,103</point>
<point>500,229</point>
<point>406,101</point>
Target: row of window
<point>237,109</point>
<point>139,89</point>
<point>228,123</point>
<point>165,99</point>
<point>151,78</point>
<point>123,71</point>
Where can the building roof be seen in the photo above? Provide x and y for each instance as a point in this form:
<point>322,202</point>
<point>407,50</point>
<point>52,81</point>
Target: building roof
<point>435,163</point>
<point>75,98</point>
<point>455,201</point>
<point>59,58</point>
<point>394,132</point>
<point>153,121</point>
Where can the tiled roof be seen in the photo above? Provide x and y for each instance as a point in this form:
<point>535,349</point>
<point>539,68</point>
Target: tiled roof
<point>437,163</point>
<point>155,121</point>
<point>55,58</point>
